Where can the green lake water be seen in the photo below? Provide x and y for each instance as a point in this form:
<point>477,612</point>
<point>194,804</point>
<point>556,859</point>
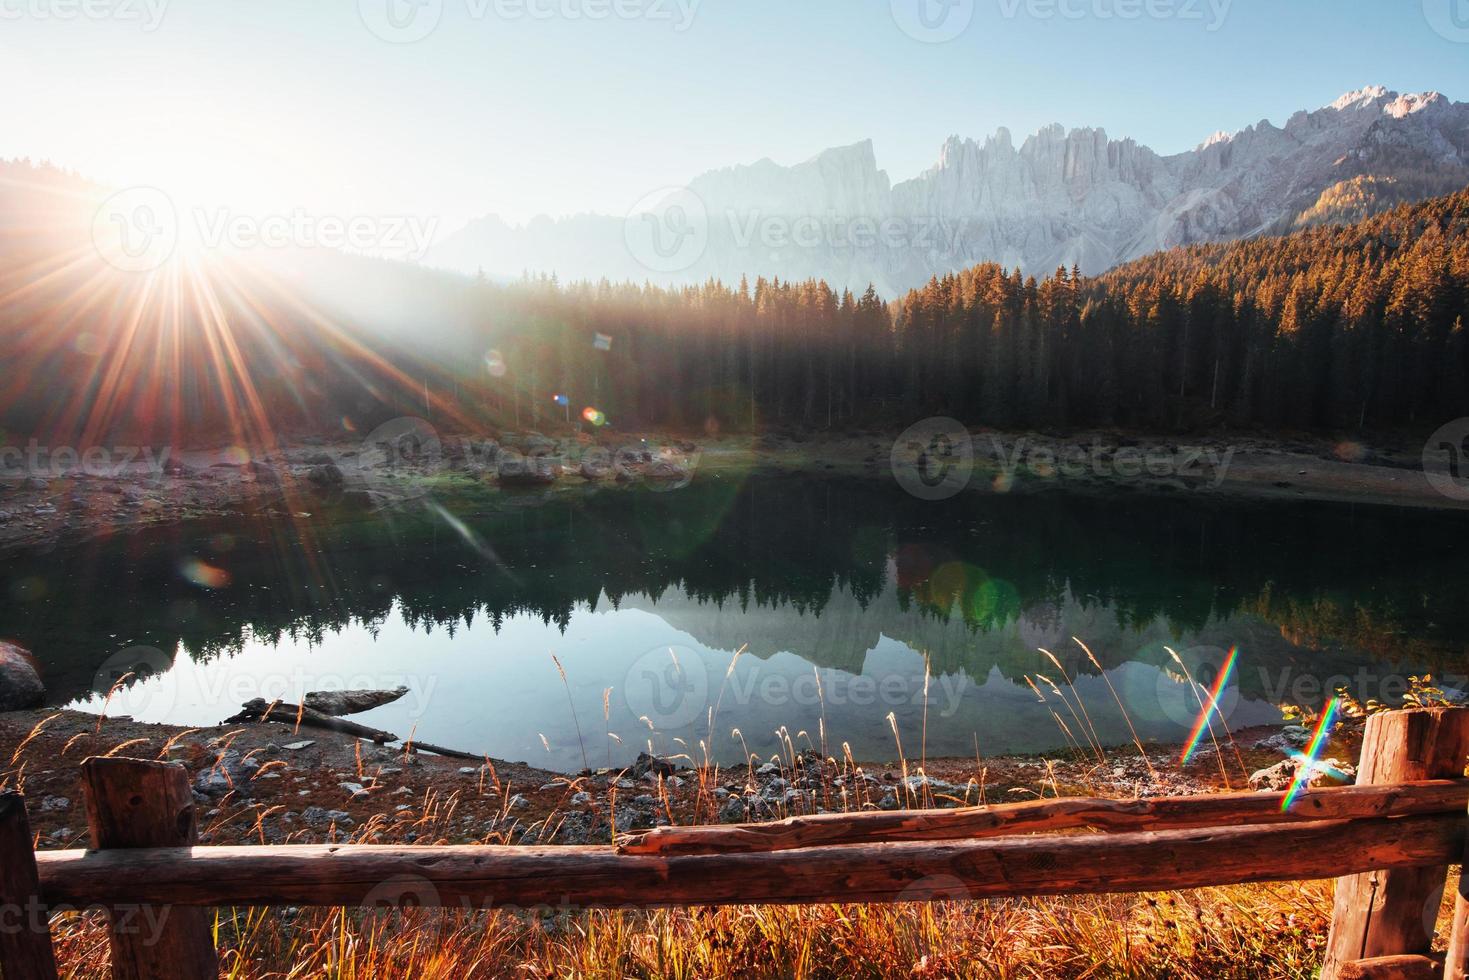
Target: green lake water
<point>839,591</point>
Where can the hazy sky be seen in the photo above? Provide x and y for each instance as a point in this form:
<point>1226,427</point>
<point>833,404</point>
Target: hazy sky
<point>540,106</point>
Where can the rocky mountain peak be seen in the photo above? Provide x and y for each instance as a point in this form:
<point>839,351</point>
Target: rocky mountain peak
<point>1063,197</point>
<point>1362,97</point>
<point>1407,105</point>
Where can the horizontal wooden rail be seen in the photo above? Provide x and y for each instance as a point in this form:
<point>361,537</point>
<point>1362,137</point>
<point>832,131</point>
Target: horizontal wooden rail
<point>1404,824</point>
<point>1164,813</point>
<point>1400,967</point>
<point>580,877</point>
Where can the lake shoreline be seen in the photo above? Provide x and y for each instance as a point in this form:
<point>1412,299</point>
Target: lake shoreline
<point>323,479</point>
<point>273,783</point>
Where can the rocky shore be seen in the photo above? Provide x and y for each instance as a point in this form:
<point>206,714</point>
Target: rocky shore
<point>277,782</point>
<point>49,497</point>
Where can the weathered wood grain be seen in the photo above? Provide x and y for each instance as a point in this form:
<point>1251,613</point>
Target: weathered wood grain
<point>487,877</point>
<point>1456,962</point>
<point>1392,968</point>
<point>1165,813</point>
<point>25,931</point>
<point>1391,913</point>
<point>134,806</point>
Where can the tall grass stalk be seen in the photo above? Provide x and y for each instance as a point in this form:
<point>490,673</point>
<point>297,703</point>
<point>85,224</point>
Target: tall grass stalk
<point>1120,707</point>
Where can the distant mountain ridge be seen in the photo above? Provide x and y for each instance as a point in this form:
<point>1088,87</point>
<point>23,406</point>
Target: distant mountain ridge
<point>1060,198</point>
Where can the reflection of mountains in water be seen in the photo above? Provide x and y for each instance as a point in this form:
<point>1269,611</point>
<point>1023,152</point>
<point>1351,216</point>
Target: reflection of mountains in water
<point>825,565</point>
<point>846,630</point>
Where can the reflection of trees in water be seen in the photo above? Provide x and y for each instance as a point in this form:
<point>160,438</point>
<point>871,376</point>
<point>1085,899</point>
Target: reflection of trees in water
<point>1375,579</point>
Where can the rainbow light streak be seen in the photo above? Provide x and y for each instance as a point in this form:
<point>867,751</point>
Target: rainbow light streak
<point>1224,675</point>
<point>1307,764</point>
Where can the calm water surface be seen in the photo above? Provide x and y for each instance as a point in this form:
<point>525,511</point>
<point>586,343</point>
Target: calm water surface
<point>838,591</point>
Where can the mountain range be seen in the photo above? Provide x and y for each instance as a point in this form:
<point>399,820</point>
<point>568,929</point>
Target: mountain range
<point>1059,198</point>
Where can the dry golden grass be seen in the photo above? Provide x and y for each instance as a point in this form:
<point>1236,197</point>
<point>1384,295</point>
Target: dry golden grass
<point>1247,931</point>
<point>1238,932</point>
<point>1263,931</point>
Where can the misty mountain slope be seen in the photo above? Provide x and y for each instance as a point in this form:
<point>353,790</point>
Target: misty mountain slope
<point>1060,197</point>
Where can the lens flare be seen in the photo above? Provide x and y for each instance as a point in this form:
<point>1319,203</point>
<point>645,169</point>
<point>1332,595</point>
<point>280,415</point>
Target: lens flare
<point>593,416</point>
<point>203,575</point>
<point>495,364</point>
<point>1306,762</point>
<point>561,400</point>
<point>1210,706</point>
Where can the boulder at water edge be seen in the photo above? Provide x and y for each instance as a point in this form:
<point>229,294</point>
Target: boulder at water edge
<point>20,682</point>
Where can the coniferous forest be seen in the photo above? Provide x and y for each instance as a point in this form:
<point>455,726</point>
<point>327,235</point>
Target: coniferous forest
<point>1335,328</point>
<point>1357,327</point>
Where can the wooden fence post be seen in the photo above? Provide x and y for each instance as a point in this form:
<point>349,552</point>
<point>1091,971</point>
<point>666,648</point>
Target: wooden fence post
<point>1456,964</point>
<point>1384,913</point>
<point>136,803</point>
<point>25,930</point>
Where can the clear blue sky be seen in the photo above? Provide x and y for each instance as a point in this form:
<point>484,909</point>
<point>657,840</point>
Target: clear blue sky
<point>274,103</point>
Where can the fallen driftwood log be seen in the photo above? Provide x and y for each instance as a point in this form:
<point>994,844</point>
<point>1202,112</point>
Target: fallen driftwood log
<point>259,709</point>
<point>338,703</point>
<point>1171,813</point>
<point>432,749</point>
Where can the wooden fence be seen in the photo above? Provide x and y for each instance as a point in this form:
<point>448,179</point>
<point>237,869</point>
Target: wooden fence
<point>1390,840</point>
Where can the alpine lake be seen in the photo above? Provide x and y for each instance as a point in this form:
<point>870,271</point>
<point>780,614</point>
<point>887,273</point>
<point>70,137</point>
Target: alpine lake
<point>756,612</point>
